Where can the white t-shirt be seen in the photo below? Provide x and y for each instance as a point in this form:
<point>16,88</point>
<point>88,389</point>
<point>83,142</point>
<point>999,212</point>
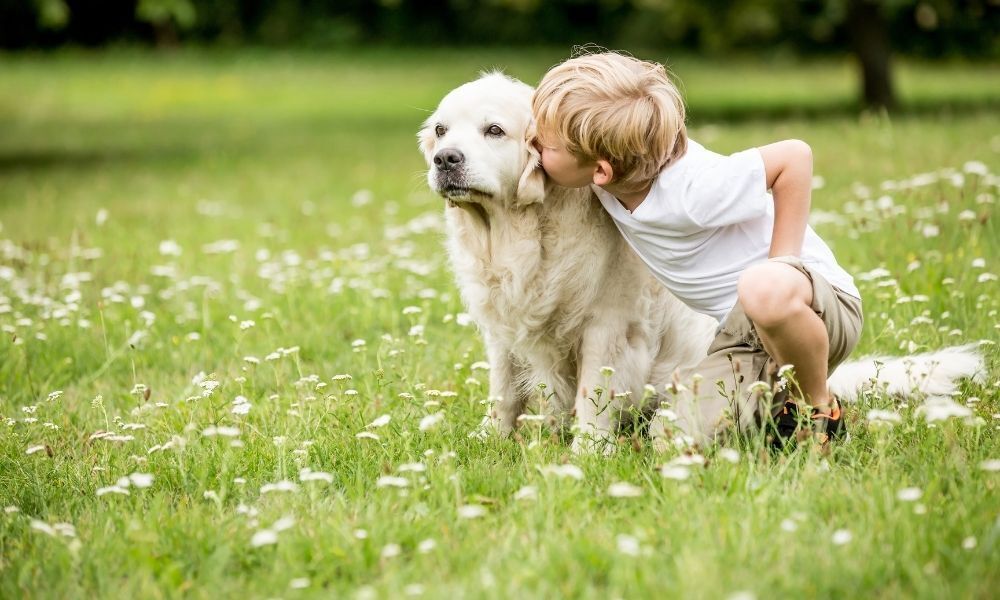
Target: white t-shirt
<point>706,219</point>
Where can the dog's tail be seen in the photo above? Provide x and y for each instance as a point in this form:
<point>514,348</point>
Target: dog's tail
<point>933,374</point>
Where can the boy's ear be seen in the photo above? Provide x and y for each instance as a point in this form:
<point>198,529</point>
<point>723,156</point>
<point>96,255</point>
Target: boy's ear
<point>603,173</point>
<point>531,185</point>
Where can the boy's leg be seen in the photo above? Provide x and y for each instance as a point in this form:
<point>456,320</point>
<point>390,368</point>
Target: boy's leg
<point>778,298</point>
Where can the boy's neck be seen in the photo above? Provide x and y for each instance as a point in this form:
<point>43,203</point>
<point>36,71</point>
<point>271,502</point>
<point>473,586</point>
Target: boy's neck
<point>630,199</point>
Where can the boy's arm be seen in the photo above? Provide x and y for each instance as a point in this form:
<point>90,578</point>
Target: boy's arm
<point>788,170</point>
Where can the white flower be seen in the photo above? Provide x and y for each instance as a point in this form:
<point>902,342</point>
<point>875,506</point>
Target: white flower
<point>789,525</point>
<point>34,449</point>
<point>992,465</point>
<point>883,417</point>
<point>942,409</point>
<point>841,537</point>
<point>627,545</point>
<point>471,511</point>
<point>380,421</point>
<point>562,471</point>
<point>112,489</point>
<point>463,319</point>
<point>979,263</point>
<point>141,480</point>
<point>43,527</point>
<point>391,481</point>
<point>307,474</point>
<point>417,467</point>
<point>366,435</point>
<point>969,543</point>
<point>241,408</point>
<point>729,455</point>
<point>282,524</point>
<point>281,486</point>
<point>431,421</point>
<point>426,546</point>
<point>299,583</point>
<point>170,248</point>
<point>910,494</point>
<point>264,537</point>
<point>391,550</point>
<point>623,489</point>
<point>984,277</point>
<point>221,430</point>
<point>528,492</point>
<point>480,366</point>
<point>677,472</point>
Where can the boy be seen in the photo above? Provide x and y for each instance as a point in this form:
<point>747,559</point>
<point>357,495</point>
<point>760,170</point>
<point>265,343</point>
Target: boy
<point>705,223</point>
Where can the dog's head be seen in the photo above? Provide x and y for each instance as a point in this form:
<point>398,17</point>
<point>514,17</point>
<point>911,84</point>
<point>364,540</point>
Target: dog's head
<point>478,144</point>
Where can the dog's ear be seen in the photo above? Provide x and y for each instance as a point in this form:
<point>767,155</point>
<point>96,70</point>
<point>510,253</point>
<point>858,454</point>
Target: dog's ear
<point>531,185</point>
<point>425,139</point>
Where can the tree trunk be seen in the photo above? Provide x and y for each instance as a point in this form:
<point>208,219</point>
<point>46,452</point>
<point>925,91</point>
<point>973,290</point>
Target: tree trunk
<point>870,42</point>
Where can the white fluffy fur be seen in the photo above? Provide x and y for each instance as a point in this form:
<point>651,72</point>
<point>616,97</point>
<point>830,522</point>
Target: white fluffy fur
<point>554,288</point>
<point>558,294</point>
<point>932,374</point>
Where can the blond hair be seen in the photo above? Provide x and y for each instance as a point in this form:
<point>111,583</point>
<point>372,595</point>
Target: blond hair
<point>616,108</point>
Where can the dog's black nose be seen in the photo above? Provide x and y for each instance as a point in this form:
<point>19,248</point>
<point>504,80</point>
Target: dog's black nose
<point>448,159</point>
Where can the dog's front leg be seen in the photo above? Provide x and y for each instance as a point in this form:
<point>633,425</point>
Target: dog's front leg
<point>611,368</point>
<point>506,403</point>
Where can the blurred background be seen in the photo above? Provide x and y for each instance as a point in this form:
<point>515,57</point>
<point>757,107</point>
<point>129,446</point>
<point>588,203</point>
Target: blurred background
<point>872,31</point>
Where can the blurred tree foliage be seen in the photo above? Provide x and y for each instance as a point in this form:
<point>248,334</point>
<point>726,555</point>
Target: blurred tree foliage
<point>868,28</point>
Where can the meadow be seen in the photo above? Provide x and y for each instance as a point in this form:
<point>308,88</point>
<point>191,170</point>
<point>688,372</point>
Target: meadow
<point>233,360</point>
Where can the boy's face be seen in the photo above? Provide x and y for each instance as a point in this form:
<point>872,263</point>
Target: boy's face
<point>562,167</point>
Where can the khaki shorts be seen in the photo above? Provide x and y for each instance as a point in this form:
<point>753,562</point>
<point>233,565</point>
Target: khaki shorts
<point>737,359</point>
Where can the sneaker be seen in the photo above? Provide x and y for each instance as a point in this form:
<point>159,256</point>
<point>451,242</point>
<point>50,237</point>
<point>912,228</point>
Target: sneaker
<point>786,427</point>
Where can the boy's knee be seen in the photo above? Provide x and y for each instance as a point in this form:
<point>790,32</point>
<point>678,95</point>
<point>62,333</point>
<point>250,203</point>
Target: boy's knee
<point>769,295</point>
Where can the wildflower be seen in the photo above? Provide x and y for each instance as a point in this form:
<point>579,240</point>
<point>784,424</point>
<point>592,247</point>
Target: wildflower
<point>563,471</point>
<point>170,248</point>
<point>471,511</point>
<point>623,489</point>
<point>729,455</point>
<point>992,465</point>
<point>426,546</point>
<point>910,494</point>
<point>887,418</point>
<point>366,435</point>
<point>841,537</point>
<point>431,421</point>
<point>281,486</point>
<point>112,489</point>
<point>380,421</point>
<point>33,449</point>
<point>480,365</point>
<point>391,550</point>
<point>942,409</point>
<point>416,467</point>
<point>264,537</point>
<point>299,583</point>
<point>788,525</point>
<point>391,481</point>
<point>307,474</point>
<point>969,543</point>
<point>528,492</point>
<point>676,472</point>
<point>222,430</point>
<point>627,545</point>
<point>141,480</point>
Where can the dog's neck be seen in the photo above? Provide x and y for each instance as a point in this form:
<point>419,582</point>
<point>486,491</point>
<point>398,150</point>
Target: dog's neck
<point>475,210</point>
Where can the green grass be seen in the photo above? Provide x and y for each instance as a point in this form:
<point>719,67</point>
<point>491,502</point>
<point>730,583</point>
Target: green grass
<point>279,152</point>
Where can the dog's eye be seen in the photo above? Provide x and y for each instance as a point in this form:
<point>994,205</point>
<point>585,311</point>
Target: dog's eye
<point>494,130</point>
<point>439,130</point>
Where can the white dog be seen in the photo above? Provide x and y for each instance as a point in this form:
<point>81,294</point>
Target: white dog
<point>569,314</point>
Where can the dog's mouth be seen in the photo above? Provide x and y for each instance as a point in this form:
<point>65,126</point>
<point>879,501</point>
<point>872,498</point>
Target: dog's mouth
<point>459,193</point>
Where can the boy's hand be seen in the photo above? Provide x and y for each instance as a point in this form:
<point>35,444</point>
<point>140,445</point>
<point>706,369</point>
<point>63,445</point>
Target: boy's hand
<point>788,168</point>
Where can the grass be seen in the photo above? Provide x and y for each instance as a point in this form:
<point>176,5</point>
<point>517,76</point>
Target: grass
<point>308,163</point>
